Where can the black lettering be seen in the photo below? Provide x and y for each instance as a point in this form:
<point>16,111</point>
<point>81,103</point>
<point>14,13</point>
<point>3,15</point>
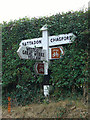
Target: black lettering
<point>27,48</point>
<point>23,52</point>
<point>33,49</point>
<point>36,50</point>
<point>42,54</point>
<point>34,42</point>
<point>60,38</point>
<point>26,52</point>
<point>39,41</point>
<point>29,53</point>
<point>51,40</point>
<point>65,38</point>
<point>29,56</point>
<point>57,39</point>
<point>35,54</point>
<point>39,54</point>
<point>30,42</point>
<point>36,58</point>
<point>70,37</point>
<point>54,39</point>
<point>23,44</point>
<point>39,57</point>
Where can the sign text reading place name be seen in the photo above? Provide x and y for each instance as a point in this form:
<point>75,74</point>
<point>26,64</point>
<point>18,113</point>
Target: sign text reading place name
<point>26,52</point>
<point>53,40</point>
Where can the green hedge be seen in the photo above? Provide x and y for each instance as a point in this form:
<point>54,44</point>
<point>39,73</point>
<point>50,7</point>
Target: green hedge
<point>19,76</point>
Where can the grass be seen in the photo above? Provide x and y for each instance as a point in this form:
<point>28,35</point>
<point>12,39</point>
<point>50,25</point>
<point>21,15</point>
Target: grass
<point>62,108</point>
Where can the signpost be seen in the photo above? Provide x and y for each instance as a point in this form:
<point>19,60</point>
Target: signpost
<point>45,44</point>
<point>40,49</point>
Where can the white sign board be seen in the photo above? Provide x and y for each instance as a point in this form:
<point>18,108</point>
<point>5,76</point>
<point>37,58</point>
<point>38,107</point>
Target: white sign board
<point>53,40</point>
<point>61,39</point>
<point>25,52</point>
<point>36,42</point>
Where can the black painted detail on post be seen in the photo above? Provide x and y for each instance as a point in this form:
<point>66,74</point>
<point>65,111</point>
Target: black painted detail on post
<point>46,78</point>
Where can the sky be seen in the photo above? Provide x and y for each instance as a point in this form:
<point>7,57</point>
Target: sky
<point>16,9</point>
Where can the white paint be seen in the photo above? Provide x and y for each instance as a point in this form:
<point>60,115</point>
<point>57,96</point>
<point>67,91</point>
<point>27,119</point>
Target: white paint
<point>46,90</point>
<point>36,42</point>
<point>43,53</point>
<point>25,52</point>
<point>53,40</point>
<point>61,39</point>
<point>45,45</point>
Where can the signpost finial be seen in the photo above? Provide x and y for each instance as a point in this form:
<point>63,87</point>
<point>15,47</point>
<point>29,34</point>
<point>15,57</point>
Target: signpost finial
<point>44,27</point>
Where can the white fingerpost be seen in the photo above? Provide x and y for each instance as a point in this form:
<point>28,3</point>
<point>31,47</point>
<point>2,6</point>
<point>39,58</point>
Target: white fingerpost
<point>45,45</point>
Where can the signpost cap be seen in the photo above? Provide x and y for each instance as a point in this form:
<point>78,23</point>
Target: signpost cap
<point>44,27</point>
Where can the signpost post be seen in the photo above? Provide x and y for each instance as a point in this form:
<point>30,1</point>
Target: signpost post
<point>38,49</point>
<point>45,44</point>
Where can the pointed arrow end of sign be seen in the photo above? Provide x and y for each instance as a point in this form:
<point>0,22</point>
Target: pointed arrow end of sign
<point>18,52</point>
<point>73,37</point>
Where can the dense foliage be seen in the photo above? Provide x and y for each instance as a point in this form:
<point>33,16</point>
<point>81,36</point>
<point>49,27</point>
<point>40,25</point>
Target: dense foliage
<point>19,78</point>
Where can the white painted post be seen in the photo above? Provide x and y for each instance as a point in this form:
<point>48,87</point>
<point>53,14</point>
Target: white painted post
<point>45,43</point>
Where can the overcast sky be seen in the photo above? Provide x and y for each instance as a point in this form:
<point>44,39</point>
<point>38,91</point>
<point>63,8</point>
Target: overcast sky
<point>15,9</point>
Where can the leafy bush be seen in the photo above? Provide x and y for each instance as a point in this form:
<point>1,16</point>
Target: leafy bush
<point>19,76</point>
